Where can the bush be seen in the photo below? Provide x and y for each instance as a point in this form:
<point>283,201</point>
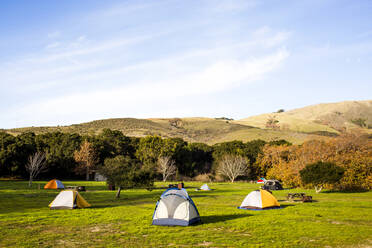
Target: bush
<point>203,178</point>
<point>125,172</point>
<point>321,173</point>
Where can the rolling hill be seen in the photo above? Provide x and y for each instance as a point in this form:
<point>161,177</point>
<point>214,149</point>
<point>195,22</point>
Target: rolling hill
<point>325,117</point>
<point>296,126</point>
<point>206,130</point>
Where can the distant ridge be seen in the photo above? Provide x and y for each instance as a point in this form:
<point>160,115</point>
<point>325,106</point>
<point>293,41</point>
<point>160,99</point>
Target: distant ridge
<point>296,126</point>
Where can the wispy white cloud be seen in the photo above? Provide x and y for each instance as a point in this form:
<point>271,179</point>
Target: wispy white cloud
<point>143,94</point>
<point>77,48</point>
<point>91,61</point>
<point>81,77</point>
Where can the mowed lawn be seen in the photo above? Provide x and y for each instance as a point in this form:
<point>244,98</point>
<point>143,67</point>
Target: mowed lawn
<point>333,220</point>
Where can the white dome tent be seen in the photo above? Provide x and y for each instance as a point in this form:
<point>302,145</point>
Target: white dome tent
<point>205,187</point>
<point>175,208</point>
<point>68,199</point>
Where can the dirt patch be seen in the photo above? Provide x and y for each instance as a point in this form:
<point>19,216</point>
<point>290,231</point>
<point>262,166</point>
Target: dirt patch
<point>55,229</point>
<point>95,229</point>
<point>336,222</point>
<point>106,228</point>
<point>65,243</point>
<point>205,243</point>
<point>218,229</point>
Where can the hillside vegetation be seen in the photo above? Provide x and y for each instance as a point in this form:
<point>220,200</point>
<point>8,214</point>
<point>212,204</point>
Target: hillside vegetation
<point>205,130</point>
<point>296,126</point>
<point>326,117</point>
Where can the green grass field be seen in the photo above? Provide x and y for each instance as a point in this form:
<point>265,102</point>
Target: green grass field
<point>333,220</point>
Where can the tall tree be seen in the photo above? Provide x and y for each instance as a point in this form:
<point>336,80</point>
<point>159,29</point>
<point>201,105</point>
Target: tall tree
<point>125,172</point>
<point>167,167</point>
<point>21,150</point>
<point>232,166</point>
<point>35,165</point>
<point>7,155</point>
<point>59,148</point>
<point>149,150</point>
<point>116,143</point>
<point>195,159</point>
<point>249,150</point>
<point>86,157</point>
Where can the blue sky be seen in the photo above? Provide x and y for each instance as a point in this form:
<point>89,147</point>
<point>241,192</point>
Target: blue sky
<point>65,62</point>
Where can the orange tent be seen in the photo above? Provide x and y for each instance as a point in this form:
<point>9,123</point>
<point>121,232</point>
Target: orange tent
<point>54,184</point>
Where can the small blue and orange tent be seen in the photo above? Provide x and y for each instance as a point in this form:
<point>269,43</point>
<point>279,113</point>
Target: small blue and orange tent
<point>54,184</point>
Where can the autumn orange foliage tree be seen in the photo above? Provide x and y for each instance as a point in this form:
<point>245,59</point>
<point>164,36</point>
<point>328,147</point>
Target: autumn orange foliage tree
<point>86,157</point>
<point>352,152</point>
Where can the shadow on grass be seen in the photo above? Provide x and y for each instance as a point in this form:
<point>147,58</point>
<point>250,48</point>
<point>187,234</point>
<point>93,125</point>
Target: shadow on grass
<point>295,202</point>
<point>105,206</point>
<point>344,191</point>
<point>286,205</point>
<point>197,196</point>
<point>221,218</point>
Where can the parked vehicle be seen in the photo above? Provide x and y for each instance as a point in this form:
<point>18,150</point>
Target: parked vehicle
<point>272,185</point>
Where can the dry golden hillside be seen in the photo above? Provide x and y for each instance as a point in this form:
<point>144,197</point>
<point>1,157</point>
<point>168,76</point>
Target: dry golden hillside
<point>296,126</point>
<point>325,117</point>
<point>206,130</point>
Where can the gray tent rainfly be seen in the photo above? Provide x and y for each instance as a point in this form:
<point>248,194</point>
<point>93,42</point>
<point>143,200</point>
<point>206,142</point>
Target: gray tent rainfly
<point>175,208</point>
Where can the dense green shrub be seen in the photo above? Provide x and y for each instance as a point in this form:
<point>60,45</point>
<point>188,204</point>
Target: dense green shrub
<point>321,173</point>
<point>125,172</point>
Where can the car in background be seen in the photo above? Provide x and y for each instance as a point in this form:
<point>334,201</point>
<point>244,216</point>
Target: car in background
<point>272,185</point>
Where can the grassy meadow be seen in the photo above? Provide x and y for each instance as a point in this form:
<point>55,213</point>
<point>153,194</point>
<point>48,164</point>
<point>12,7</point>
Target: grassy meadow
<point>334,219</point>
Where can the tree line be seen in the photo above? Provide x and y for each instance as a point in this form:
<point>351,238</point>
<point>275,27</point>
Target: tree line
<point>72,156</point>
<point>132,161</point>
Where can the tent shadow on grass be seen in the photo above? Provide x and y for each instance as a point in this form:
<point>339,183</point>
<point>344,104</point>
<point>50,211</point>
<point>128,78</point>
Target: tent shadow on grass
<point>221,218</point>
<point>295,202</point>
<point>285,204</point>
